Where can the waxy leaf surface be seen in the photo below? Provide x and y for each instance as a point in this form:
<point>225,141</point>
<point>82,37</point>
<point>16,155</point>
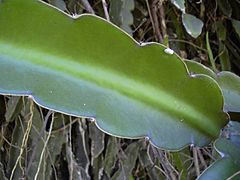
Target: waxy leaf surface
<point>228,81</point>
<point>88,67</point>
<point>192,24</point>
<point>180,4</point>
<point>228,166</point>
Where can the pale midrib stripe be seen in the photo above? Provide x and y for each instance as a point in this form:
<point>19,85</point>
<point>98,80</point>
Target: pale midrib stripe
<point>109,78</point>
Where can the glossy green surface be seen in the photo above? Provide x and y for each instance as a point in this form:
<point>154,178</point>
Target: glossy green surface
<point>228,165</point>
<point>192,25</point>
<point>180,4</point>
<point>229,83</point>
<point>89,68</point>
<point>198,68</point>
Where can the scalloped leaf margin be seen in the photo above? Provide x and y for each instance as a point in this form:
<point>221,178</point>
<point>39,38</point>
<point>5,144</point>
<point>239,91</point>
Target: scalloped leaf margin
<point>88,67</point>
<point>228,81</point>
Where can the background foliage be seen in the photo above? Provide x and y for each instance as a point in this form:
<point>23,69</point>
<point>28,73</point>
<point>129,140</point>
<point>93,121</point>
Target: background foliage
<point>41,144</point>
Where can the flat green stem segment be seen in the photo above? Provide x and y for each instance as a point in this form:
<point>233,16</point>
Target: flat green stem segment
<point>228,82</point>
<point>88,67</point>
<point>228,166</point>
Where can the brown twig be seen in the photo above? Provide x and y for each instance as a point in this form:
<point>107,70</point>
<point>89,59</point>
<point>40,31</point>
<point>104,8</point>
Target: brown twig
<point>205,151</point>
<point>201,158</point>
<point>66,125</point>
<point>25,139</point>
<point>44,148</point>
<point>9,143</point>
<point>167,167</point>
<point>69,140</point>
<point>152,9</point>
<point>195,160</point>
<point>105,8</point>
<point>161,16</point>
<point>188,42</point>
<point>157,17</point>
<point>87,6</point>
<point>35,143</point>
